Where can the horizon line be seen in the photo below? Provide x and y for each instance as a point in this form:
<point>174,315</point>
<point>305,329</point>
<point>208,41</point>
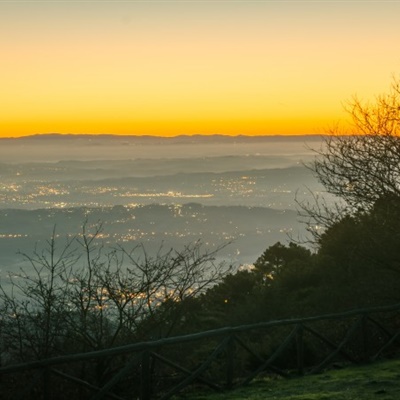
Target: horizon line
<point>59,134</point>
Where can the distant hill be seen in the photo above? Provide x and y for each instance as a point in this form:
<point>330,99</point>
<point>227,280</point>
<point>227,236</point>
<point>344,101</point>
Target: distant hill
<point>56,147</point>
<point>142,139</point>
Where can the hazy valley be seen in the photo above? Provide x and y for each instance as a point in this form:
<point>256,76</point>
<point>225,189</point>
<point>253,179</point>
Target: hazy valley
<point>154,191</point>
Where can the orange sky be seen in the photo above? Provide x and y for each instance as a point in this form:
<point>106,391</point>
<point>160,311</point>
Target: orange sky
<point>190,67</point>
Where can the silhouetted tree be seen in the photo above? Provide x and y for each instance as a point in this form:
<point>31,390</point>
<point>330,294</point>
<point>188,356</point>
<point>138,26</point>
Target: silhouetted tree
<point>79,296</point>
<point>362,165</point>
<point>279,257</point>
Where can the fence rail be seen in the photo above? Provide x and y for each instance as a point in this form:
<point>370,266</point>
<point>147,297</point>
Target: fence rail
<point>219,359</point>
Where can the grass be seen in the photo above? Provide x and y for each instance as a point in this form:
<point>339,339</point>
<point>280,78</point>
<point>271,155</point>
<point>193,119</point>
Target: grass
<point>378,381</point>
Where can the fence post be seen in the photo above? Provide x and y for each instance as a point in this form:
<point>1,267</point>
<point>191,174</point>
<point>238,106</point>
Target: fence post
<point>230,361</point>
<point>46,383</point>
<point>145,382</point>
<point>300,349</point>
<point>364,338</point>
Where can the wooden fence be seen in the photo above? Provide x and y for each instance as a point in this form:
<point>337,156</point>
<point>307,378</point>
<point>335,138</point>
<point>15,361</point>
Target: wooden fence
<point>219,359</point>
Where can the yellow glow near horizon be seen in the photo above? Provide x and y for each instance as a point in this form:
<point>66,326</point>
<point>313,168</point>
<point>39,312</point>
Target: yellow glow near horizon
<point>170,68</point>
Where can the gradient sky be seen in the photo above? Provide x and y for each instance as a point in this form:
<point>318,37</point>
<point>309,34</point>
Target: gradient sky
<point>191,67</point>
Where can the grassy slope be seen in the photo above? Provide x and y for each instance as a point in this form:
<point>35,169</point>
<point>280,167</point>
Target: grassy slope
<point>375,381</point>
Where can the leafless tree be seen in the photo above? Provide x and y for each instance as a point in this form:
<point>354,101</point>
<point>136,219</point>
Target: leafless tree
<point>78,295</point>
<point>362,165</point>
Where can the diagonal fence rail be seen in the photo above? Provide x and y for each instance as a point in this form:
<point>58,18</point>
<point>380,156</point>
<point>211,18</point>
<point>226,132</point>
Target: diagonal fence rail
<point>218,359</point>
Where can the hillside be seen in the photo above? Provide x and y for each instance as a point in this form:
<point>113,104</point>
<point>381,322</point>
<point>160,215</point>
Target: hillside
<point>367,382</point>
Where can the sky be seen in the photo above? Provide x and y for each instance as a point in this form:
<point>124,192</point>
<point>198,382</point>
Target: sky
<point>191,67</point>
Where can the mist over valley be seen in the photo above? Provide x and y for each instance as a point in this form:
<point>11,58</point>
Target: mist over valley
<point>156,191</point>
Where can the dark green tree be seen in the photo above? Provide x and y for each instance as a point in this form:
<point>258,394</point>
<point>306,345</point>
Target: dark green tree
<point>232,300</point>
<point>278,257</point>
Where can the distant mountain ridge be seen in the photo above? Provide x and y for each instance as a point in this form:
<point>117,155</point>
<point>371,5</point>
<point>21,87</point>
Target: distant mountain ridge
<point>56,147</point>
<point>142,139</point>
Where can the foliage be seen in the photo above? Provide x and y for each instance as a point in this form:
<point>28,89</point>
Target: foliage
<point>278,257</point>
<point>231,301</point>
<point>356,264</point>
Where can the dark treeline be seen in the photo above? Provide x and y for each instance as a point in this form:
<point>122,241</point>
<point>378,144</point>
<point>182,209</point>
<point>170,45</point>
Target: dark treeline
<point>356,264</point>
